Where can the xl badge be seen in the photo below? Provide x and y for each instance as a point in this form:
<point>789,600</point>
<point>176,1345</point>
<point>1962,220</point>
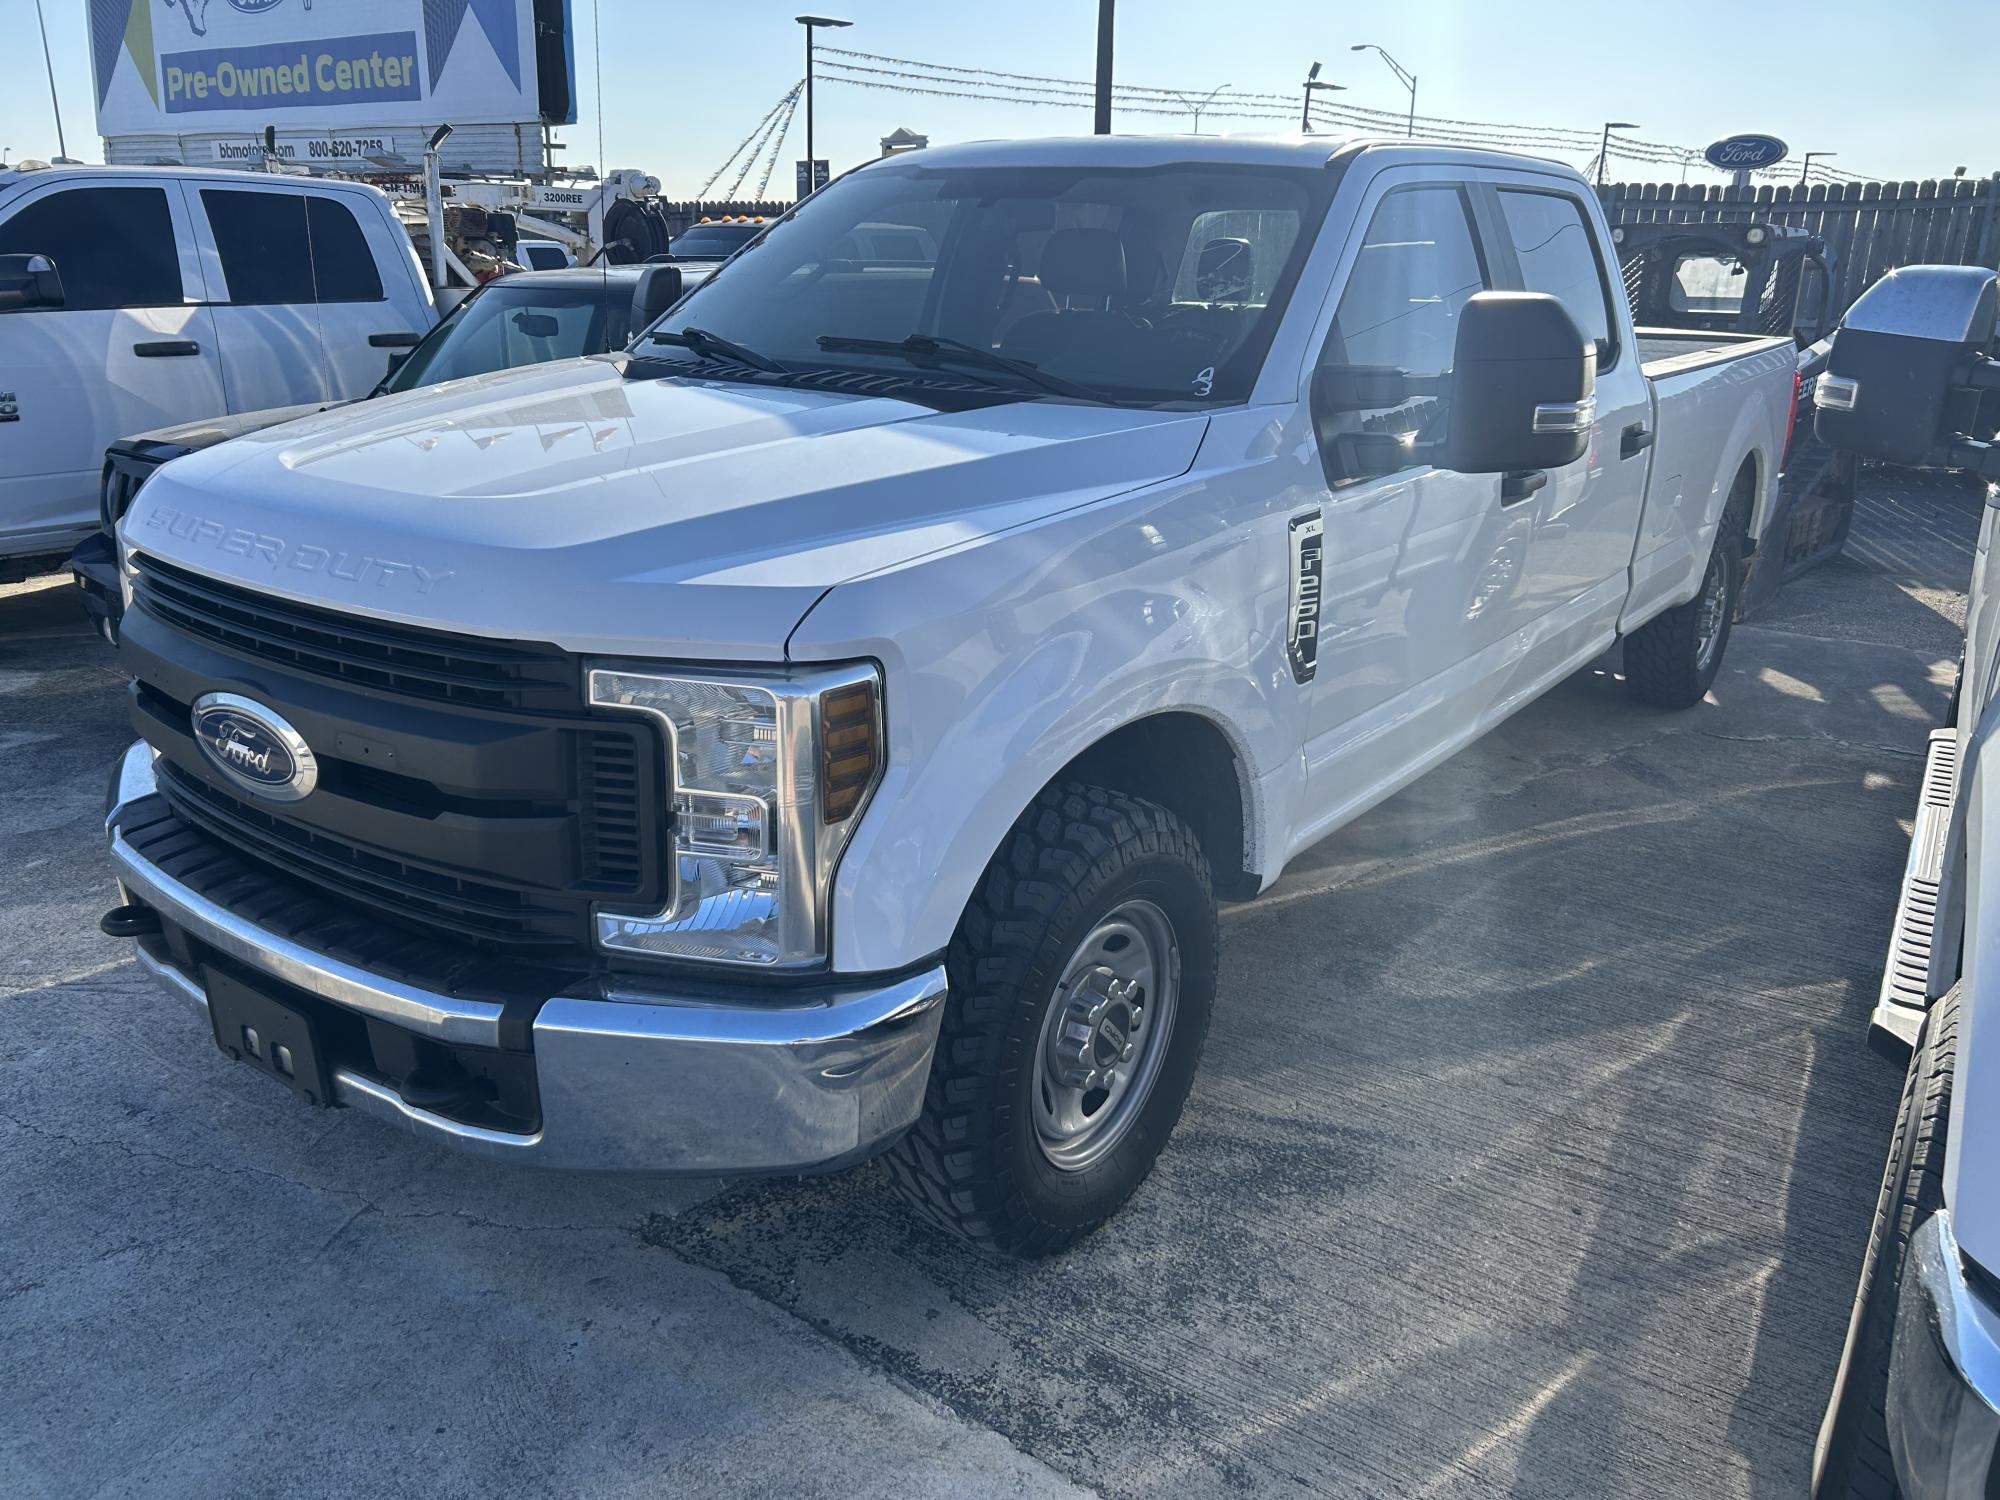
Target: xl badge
<point>253,747</point>
<point>1308,539</point>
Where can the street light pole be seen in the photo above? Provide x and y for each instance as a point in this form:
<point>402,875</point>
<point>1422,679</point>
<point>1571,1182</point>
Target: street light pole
<point>1408,79</point>
<point>62,146</point>
<point>812,167</point>
<point>1198,105</point>
<point>1102,123</point>
<point>1805,163</point>
<point>1313,83</point>
<point>1604,146</point>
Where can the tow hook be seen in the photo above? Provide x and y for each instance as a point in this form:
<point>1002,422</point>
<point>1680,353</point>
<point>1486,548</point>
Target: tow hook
<point>131,921</point>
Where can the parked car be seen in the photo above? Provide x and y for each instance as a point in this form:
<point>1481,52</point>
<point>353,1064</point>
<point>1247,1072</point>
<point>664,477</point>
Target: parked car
<point>530,317</point>
<point>1915,1408</point>
<point>714,240</point>
<point>170,294</point>
<point>824,731</point>
<point>1704,282</point>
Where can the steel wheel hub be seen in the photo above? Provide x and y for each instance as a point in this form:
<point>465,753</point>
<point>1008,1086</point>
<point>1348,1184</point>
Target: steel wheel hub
<point>1104,1034</point>
<point>1709,612</point>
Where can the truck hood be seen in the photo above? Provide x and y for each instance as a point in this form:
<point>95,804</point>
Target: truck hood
<point>647,517</point>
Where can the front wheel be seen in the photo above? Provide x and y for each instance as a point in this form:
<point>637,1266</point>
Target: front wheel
<point>1082,975</point>
<point>1671,661</point>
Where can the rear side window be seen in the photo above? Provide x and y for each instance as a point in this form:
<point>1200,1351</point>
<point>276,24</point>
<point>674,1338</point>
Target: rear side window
<point>279,248</point>
<point>343,265</point>
<point>261,238</point>
<point>113,246</point>
<point>1553,244</point>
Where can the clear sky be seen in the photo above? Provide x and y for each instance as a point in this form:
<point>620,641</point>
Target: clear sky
<point>1899,90</point>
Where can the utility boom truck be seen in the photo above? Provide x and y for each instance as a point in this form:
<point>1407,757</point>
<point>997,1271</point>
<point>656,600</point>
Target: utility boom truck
<point>825,729</point>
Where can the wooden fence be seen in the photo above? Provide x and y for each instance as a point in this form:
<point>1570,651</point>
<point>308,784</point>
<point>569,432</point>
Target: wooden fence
<point>1869,228</point>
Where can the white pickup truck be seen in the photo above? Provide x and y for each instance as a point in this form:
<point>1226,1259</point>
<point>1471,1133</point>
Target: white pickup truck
<point>1915,1408</point>
<point>825,730</point>
<point>135,297</point>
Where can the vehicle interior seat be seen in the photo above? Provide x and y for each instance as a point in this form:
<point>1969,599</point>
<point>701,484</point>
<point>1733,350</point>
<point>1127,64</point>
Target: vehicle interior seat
<point>1084,270</point>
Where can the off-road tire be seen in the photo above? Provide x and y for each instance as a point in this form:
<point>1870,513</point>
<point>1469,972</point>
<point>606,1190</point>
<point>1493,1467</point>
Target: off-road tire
<point>972,1163</point>
<point>1854,1461</point>
<point>1663,659</point>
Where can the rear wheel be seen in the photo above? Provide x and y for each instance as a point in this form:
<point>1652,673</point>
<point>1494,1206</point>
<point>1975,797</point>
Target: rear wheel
<point>1081,980</point>
<point>1671,661</point>
<point>1854,1460</point>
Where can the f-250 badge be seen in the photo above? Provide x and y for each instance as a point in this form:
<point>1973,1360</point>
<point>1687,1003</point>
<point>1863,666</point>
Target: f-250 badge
<point>1308,538</point>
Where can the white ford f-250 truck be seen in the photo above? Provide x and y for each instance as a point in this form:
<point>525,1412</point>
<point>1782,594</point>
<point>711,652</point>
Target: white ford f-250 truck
<point>1915,1408</point>
<point>823,730</point>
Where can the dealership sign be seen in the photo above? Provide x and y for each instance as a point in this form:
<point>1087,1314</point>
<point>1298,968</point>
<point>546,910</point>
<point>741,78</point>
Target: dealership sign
<point>1745,153</point>
<point>195,66</point>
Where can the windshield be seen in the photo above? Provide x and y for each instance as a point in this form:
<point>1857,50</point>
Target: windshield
<point>1158,284</point>
<point>512,322</point>
<point>712,241</point>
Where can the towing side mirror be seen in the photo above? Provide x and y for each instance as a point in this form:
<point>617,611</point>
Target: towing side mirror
<point>29,281</point>
<point>1907,368</point>
<point>1523,386</point>
<point>659,288</point>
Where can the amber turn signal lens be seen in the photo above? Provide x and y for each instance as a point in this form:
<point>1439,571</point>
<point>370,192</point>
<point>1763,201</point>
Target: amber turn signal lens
<point>850,748</point>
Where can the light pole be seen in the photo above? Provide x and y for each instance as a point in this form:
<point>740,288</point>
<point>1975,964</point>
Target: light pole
<point>1313,83</point>
<point>1101,111</point>
<point>812,161</point>
<point>62,146</point>
<point>1805,163</point>
<point>1604,146</point>
<point>1408,78</point>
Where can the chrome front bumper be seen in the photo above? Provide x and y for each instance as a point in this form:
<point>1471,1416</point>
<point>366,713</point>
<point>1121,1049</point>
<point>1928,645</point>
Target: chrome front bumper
<point>640,1081</point>
<point>1944,1373</point>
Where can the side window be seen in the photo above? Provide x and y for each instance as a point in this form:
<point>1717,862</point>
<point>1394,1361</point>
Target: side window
<point>1557,256</point>
<point>1396,330</point>
<point>113,246</point>
<point>262,240</point>
<point>343,265</point>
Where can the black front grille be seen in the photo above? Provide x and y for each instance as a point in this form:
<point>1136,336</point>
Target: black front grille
<point>451,799</point>
<point>401,890</point>
<point>399,659</point>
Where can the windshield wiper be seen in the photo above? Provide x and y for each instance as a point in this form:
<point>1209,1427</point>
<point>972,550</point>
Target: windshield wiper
<point>715,346</point>
<point>920,347</point>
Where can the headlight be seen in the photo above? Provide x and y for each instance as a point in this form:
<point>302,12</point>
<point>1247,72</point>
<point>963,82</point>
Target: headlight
<point>770,772</point>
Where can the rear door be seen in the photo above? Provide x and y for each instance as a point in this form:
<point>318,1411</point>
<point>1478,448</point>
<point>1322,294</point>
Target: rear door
<point>258,254</point>
<point>311,297</point>
<point>1586,517</point>
<point>370,303</point>
<point>131,349</point>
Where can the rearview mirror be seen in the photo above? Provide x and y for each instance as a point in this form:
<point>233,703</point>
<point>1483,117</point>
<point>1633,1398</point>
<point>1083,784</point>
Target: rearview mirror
<point>1523,386</point>
<point>659,288</point>
<point>28,281</point>
<point>1908,364</point>
<point>534,325</point>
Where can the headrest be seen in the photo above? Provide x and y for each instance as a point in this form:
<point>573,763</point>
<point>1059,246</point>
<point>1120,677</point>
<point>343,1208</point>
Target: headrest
<point>1084,263</point>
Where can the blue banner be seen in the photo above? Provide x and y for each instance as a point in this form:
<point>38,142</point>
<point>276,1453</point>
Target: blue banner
<point>332,70</point>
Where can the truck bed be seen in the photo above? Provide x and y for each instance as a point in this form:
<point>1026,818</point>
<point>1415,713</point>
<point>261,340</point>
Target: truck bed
<point>1670,351</point>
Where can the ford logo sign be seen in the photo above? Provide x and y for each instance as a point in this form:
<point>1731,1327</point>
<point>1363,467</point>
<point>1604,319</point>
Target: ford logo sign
<point>1743,153</point>
<point>253,747</point>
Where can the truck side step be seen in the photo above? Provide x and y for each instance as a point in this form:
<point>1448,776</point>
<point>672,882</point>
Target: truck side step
<point>1907,976</point>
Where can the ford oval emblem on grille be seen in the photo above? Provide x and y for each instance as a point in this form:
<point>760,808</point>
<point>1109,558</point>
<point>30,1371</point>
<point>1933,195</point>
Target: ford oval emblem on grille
<point>253,747</point>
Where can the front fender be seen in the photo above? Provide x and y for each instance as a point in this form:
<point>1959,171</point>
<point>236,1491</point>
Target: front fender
<point>1007,657</point>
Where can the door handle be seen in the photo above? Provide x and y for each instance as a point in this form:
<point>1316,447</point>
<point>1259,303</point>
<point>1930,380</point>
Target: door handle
<point>394,340</point>
<point>1520,484</point>
<point>166,349</point>
<point>1635,440</point>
